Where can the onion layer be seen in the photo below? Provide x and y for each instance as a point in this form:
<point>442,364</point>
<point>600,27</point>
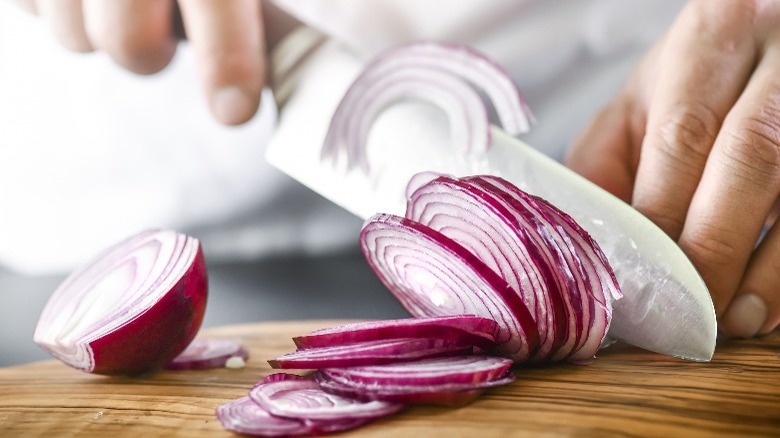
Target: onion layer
<point>203,354</point>
<point>431,274</point>
<point>481,245</point>
<point>370,353</point>
<point>132,309</point>
<point>303,399</point>
<point>465,329</point>
<point>447,75</point>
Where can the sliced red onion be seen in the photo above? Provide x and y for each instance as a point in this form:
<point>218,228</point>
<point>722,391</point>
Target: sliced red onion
<point>132,309</point>
<point>430,274</point>
<point>278,377</point>
<point>370,353</point>
<point>473,66</point>
<point>443,393</point>
<point>463,105</point>
<point>463,329</point>
<point>489,230</point>
<point>438,371</point>
<point>246,417</point>
<point>591,280</point>
<point>303,399</point>
<point>441,73</point>
<point>203,354</point>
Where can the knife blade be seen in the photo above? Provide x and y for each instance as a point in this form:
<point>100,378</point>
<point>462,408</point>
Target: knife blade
<point>666,306</point>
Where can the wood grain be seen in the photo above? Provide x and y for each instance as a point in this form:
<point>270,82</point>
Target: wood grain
<point>625,392</point>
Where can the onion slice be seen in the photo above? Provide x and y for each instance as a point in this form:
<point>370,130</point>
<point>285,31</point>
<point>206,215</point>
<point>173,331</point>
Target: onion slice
<point>446,75</point>
<point>490,230</point>
<point>465,329</point>
<point>438,371</point>
<point>246,417</point>
<point>303,399</point>
<point>204,354</point>
<point>132,309</point>
<point>590,280</point>
<point>430,274</point>
<point>370,353</point>
<point>444,393</point>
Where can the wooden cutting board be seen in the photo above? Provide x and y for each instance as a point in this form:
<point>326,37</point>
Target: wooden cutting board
<point>626,391</point>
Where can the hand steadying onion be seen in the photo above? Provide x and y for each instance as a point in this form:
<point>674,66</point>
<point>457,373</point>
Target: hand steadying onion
<point>132,309</point>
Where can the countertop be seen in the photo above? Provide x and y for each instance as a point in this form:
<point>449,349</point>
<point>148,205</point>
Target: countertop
<point>624,392</point>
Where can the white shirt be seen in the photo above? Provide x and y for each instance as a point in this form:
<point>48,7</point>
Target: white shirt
<point>90,153</point>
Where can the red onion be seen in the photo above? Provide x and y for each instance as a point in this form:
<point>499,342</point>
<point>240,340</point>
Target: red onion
<point>339,398</point>
<point>541,258</point>
<point>442,393</point>
<point>303,399</point>
<point>465,329</point>
<point>132,309</point>
<point>430,274</point>
<point>595,281</point>
<point>443,74</point>
<point>246,417</point>
<point>438,371</point>
<point>488,229</point>
<point>370,353</point>
<point>203,354</point>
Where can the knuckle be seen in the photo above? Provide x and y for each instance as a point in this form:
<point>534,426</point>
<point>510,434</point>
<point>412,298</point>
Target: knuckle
<point>754,145</point>
<point>710,249</point>
<point>687,134</point>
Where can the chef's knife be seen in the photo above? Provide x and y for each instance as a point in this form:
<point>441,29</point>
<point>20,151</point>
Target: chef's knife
<point>666,306</point>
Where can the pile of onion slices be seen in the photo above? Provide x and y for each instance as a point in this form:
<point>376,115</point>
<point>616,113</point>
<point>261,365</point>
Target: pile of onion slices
<point>492,276</point>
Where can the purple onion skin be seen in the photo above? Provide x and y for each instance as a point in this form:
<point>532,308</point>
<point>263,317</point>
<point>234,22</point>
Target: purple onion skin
<point>158,335</point>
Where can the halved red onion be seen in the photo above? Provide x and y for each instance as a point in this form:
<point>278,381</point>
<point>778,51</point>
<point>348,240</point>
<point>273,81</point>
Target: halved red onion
<point>430,274</point>
<point>463,329</point>
<point>442,393</point>
<point>246,417</point>
<point>437,371</point>
<point>444,74</point>
<point>303,399</point>
<point>370,353</point>
<point>132,309</point>
<point>203,354</point>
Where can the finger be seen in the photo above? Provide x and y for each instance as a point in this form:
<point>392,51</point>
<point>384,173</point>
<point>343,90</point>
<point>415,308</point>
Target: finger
<point>743,182</point>
<point>756,307</point>
<point>137,34</point>
<point>603,153</point>
<point>228,44</point>
<point>690,101</point>
<point>66,19</point>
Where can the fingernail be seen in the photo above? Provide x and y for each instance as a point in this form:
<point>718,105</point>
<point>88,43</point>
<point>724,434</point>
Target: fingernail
<point>232,105</point>
<point>745,316</point>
